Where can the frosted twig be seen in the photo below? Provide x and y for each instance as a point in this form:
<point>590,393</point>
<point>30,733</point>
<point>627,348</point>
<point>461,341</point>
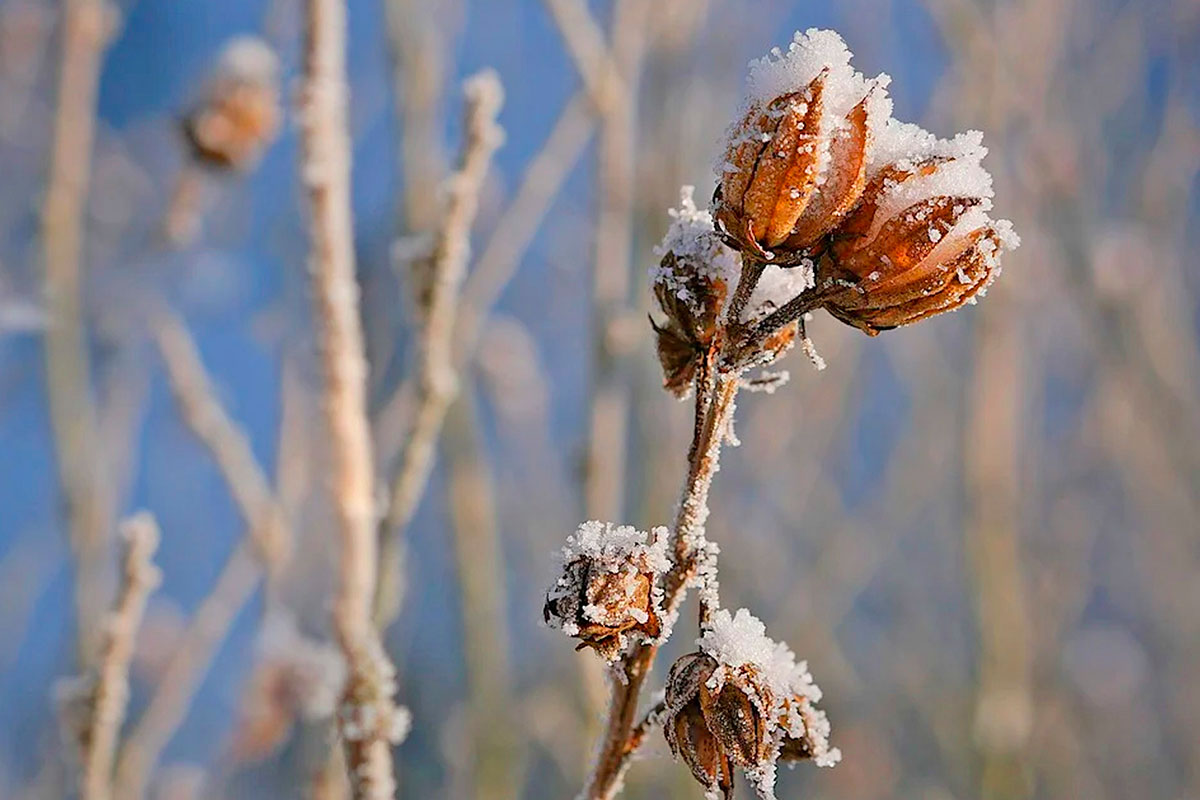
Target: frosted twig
<point>110,694</point>
<point>181,677</point>
<point>368,720</point>
<point>436,386</point>
<point>86,29</point>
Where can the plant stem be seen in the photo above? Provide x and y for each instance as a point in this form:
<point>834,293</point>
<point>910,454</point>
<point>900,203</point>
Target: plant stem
<point>368,721</point>
<point>620,742</point>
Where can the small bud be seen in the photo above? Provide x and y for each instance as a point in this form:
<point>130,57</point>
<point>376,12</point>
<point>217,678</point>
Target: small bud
<point>920,241</point>
<point>240,113</point>
<point>743,700</point>
<point>609,589</point>
<point>795,163</point>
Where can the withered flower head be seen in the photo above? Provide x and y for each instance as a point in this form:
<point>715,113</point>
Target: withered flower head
<point>795,162</point>
<point>742,700</point>
<point>240,113</point>
<point>692,284</point>
<point>920,241</point>
<point>609,588</point>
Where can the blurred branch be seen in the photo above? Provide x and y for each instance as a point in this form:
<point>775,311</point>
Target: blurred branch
<point>1004,705</point>
<point>229,445</point>
<point>543,179</point>
<point>419,76</point>
<point>368,720</point>
<point>110,695</point>
<point>588,48</point>
<point>481,568</point>
<point>86,29</point>
<point>436,383</point>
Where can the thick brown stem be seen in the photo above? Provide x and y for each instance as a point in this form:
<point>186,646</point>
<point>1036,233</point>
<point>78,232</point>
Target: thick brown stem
<point>620,737</point>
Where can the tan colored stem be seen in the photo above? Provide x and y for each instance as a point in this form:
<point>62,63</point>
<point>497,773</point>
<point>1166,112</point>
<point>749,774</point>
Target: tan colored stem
<point>368,720</point>
<point>620,738</point>
<point>86,28</point>
<point>440,289</point>
<point>110,697</point>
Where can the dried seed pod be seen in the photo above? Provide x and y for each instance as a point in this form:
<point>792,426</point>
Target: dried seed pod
<point>609,587</point>
<point>920,241</point>
<point>240,113</point>
<point>795,162</point>
<point>742,700</point>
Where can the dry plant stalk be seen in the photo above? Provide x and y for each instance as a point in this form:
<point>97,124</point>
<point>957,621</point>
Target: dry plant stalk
<point>86,29</point>
<point>110,694</point>
<point>368,721</point>
<point>823,201</point>
<point>439,284</point>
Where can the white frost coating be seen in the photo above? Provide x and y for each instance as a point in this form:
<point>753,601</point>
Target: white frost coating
<point>904,144</point>
<point>248,58</point>
<point>616,547</point>
<point>810,52</point>
<point>779,285</point>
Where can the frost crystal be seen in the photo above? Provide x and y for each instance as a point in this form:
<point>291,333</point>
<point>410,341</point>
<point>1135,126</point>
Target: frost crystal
<point>698,251</point>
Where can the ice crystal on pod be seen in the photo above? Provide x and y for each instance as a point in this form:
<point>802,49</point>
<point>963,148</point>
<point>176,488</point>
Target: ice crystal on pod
<point>609,586</point>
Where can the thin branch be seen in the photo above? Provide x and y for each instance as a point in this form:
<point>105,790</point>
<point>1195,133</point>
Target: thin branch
<point>543,179</point>
<point>687,541</point>
<point>86,29</point>
<point>437,381</point>
<point>229,445</point>
<point>368,721</point>
<point>110,697</point>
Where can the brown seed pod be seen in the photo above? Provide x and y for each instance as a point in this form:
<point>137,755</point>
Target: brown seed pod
<point>609,587</point>
<point>920,241</point>
<point>795,162</point>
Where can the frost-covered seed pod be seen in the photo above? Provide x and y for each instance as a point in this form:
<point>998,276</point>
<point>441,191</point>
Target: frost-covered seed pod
<point>755,704</point>
<point>240,113</point>
<point>795,162</point>
<point>609,589</point>
<point>920,242</point>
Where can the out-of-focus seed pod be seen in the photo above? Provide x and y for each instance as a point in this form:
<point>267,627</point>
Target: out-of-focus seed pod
<point>240,113</point>
<point>795,162</point>
<point>609,587</point>
<point>920,241</point>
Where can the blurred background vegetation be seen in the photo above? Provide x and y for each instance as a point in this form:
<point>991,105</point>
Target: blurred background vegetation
<point>982,532</point>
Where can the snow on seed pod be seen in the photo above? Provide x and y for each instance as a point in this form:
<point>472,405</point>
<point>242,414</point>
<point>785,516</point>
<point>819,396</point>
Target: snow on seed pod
<point>609,589</point>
